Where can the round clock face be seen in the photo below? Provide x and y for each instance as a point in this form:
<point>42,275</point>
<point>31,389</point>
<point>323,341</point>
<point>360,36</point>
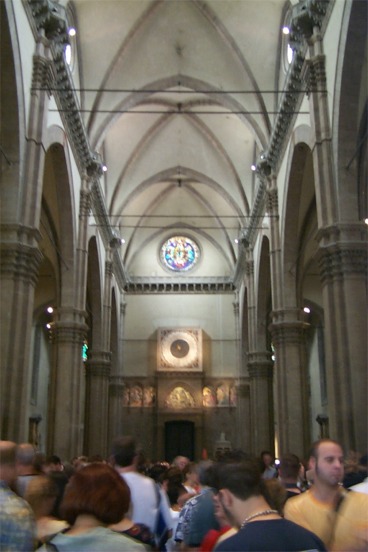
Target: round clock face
<point>179,349</point>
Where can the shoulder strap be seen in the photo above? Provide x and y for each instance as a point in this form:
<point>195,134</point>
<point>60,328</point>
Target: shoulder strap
<point>339,503</point>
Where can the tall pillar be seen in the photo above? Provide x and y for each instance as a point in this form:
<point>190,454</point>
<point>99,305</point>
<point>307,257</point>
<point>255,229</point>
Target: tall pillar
<point>97,402</point>
<point>67,375</point>
<point>291,381</point>
<point>260,374</point>
<point>98,369</point>
<point>117,385</point>
<point>19,271</point>
<point>260,368</point>
<point>20,258</point>
<point>343,265</point>
<point>67,382</point>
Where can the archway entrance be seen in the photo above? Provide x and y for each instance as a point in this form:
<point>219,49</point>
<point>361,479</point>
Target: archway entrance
<point>179,439</point>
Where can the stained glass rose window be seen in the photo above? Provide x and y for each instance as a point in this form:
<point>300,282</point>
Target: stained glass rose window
<point>179,253</point>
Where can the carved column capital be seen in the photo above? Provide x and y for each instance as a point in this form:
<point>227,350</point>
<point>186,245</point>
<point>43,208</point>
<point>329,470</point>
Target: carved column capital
<point>98,364</point>
<point>20,261</point>
<point>249,268</point>
<point>108,268</point>
<point>317,79</point>
<point>272,201</point>
<point>116,387</point>
<point>288,332</point>
<point>41,74</point>
<point>342,251</point>
<point>68,332</point>
<point>260,364</point>
<point>85,202</point>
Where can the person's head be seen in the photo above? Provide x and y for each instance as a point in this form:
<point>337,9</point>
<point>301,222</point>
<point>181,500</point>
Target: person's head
<point>180,462</point>
<point>327,462</point>
<point>53,463</point>
<point>289,468</point>
<point>190,473</point>
<point>8,454</point>
<point>266,458</point>
<point>242,479</point>
<point>205,470</point>
<point>41,494</point>
<point>96,490</point>
<point>235,483</point>
<point>124,451</point>
<point>26,454</point>
<point>275,494</point>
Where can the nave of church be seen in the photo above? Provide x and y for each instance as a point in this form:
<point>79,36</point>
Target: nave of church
<point>183,229</point>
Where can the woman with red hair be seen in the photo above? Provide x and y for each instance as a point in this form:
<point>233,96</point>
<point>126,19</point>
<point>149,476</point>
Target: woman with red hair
<point>94,498</point>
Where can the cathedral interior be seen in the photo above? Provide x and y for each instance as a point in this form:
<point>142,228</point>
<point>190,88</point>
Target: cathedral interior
<point>183,224</point>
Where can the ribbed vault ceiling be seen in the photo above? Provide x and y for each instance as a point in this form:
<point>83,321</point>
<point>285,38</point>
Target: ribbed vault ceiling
<point>179,97</point>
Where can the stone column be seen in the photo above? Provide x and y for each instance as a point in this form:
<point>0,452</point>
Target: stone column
<point>98,372</point>
<point>67,381</point>
<point>260,375</point>
<point>260,368</point>
<point>343,265</point>
<point>287,332</point>
<point>67,375</point>
<point>97,402</point>
<point>19,266</point>
<point>117,385</point>
<point>20,258</point>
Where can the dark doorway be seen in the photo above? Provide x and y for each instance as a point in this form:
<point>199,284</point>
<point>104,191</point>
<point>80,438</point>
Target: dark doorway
<point>179,440</point>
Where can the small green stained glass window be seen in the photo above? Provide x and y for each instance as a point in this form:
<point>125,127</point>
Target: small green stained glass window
<point>179,253</point>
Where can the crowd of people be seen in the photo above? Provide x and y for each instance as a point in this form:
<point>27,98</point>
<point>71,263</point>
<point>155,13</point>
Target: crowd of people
<point>237,502</point>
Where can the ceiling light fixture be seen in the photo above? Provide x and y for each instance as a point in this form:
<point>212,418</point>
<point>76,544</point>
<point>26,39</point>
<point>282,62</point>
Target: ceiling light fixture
<point>253,167</point>
<point>72,31</point>
<point>286,30</point>
<point>104,168</point>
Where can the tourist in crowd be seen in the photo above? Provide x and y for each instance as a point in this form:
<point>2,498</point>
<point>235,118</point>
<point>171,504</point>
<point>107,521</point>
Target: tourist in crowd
<point>338,517</point>
<point>95,497</point>
<point>198,514</point>
<point>41,494</point>
<point>180,462</point>
<point>240,491</point>
<point>268,467</point>
<point>26,470</point>
<point>289,470</point>
<point>17,523</point>
<point>137,531</point>
<point>190,474</point>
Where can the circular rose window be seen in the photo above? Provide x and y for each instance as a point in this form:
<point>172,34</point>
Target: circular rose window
<point>179,253</point>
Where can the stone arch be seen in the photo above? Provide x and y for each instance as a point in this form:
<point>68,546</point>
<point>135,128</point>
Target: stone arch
<point>264,297</point>
<point>94,296</point>
<point>350,113</point>
<point>12,115</point>
<point>58,206</point>
<point>300,206</point>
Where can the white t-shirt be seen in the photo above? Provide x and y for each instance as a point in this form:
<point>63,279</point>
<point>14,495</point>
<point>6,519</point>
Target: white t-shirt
<point>144,499</point>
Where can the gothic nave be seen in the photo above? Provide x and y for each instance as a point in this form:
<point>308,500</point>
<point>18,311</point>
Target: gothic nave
<point>183,224</point>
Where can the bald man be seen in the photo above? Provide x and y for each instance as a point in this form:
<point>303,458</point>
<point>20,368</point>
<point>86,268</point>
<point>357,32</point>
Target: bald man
<point>17,525</point>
